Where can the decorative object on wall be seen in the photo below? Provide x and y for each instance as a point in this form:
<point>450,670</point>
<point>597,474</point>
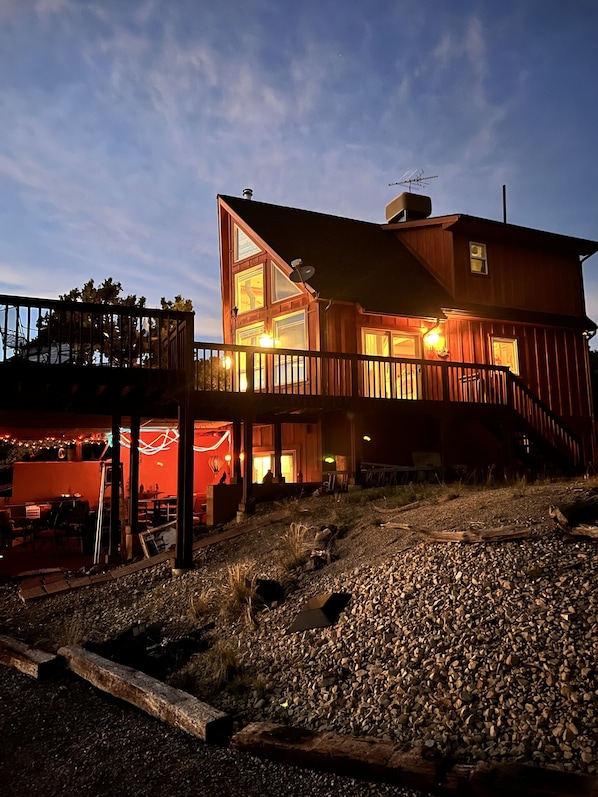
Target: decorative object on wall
<point>215,464</point>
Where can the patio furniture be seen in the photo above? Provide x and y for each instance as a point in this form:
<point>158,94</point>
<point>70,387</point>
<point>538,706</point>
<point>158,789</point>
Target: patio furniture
<point>10,530</point>
<point>71,522</point>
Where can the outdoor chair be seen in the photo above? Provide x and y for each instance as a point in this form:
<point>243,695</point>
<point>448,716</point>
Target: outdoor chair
<point>71,522</point>
<point>11,531</point>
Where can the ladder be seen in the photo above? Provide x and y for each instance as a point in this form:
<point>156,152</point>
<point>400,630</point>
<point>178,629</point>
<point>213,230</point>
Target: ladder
<point>104,506</point>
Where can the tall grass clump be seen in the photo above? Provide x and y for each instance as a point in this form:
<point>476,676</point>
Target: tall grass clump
<point>293,548</point>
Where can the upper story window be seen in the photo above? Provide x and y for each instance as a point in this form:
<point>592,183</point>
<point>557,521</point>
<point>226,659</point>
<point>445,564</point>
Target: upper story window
<point>477,258</point>
<point>290,331</point>
<point>505,352</point>
<point>249,289</point>
<point>282,287</point>
<point>380,343</point>
<point>244,246</point>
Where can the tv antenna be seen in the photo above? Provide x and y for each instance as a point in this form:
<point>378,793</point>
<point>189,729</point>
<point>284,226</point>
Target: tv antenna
<point>415,179</point>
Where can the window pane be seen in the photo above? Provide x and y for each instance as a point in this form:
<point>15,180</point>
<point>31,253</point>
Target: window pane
<point>289,332</point>
<point>282,287</point>
<point>244,246</point>
<point>477,258</point>
<point>504,352</point>
<point>249,289</point>
<point>376,344</point>
<point>404,346</point>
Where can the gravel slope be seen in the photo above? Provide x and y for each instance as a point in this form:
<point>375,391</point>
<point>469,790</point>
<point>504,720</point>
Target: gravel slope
<point>487,651</point>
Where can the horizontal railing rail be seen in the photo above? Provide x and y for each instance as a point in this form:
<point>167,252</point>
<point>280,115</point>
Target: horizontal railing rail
<point>243,369</point>
<point>56,332</point>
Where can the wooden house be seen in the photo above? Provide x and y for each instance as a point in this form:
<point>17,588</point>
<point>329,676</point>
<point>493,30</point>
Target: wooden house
<point>471,335</point>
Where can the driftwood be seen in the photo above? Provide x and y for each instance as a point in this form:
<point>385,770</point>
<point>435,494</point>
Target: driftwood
<point>570,518</point>
<point>397,509</point>
<point>496,534</point>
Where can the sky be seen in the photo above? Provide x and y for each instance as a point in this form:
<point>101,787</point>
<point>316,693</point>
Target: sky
<point>122,120</point>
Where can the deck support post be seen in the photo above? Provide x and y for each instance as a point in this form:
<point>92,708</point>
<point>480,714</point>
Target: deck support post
<point>278,452</point>
<point>355,477</point>
<point>134,475</point>
<point>236,473</point>
<point>183,559</point>
<point>116,535</point>
<point>246,505</point>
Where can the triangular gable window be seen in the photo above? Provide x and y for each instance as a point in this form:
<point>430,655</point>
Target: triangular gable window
<point>244,246</point>
<point>282,287</point>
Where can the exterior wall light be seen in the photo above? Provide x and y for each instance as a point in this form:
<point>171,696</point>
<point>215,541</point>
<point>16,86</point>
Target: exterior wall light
<point>367,438</point>
<point>266,341</point>
<point>329,460</point>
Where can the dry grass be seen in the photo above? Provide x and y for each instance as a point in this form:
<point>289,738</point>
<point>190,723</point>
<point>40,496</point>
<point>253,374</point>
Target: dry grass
<point>293,547</point>
<point>238,592</point>
<point>210,671</point>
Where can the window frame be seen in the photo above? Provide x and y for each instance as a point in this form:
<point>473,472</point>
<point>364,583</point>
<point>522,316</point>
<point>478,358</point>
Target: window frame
<point>510,340</point>
<point>246,274</point>
<point>274,270</point>
<point>483,260</point>
<point>255,251</point>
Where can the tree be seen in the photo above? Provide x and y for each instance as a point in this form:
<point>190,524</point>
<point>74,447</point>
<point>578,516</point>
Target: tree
<point>108,336</point>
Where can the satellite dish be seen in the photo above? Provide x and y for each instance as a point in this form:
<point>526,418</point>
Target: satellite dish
<point>302,273</point>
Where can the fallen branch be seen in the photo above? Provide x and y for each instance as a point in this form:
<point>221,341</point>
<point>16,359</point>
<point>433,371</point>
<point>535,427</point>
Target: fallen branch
<point>398,509</point>
<point>484,535</point>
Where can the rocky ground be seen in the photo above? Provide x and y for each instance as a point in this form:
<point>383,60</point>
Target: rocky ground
<point>483,650</point>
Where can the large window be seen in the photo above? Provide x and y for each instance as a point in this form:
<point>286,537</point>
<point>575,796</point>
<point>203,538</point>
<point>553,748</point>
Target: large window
<point>244,246</point>
<point>478,261</point>
<point>262,463</point>
<point>505,352</point>
<point>282,287</point>
<point>249,289</point>
<point>289,332</point>
<point>250,336</point>
<point>391,380</point>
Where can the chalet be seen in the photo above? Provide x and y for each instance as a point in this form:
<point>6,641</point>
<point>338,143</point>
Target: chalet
<point>471,335</point>
<point>350,349</point>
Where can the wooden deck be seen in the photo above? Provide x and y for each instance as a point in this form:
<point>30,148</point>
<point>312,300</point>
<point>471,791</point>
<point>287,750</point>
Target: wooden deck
<point>64,356</point>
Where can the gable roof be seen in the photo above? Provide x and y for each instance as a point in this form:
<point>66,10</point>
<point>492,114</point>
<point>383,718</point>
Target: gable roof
<point>354,261</point>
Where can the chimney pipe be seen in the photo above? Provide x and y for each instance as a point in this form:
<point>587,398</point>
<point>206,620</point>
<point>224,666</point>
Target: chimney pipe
<point>247,193</point>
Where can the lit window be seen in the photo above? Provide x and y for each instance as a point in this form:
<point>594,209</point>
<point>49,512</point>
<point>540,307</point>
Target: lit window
<point>289,331</point>
<point>477,258</point>
<point>244,246</point>
<point>391,380</point>
<point>250,336</point>
<point>282,287</point>
<point>262,463</point>
<point>504,352</point>
<point>249,289</point>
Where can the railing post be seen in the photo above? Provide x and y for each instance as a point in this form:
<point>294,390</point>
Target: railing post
<point>354,377</point>
<point>445,381</point>
<point>249,370</point>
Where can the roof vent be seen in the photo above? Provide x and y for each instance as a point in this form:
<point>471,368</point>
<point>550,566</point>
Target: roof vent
<point>408,207</point>
<point>247,193</point>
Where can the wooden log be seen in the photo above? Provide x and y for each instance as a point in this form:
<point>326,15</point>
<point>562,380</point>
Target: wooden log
<point>420,767</point>
<point>30,661</point>
<point>398,509</point>
<point>154,697</point>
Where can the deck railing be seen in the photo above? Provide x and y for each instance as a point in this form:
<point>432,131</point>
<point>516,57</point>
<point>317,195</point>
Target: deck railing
<point>244,369</point>
<point>55,332</point>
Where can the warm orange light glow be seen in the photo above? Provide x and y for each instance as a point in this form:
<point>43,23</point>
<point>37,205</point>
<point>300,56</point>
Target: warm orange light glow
<point>266,341</point>
<point>228,458</point>
<point>433,339</point>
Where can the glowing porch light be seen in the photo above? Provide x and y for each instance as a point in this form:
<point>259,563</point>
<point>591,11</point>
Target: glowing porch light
<point>432,339</point>
<point>367,438</point>
<point>329,460</point>
<point>266,341</point>
<point>227,362</point>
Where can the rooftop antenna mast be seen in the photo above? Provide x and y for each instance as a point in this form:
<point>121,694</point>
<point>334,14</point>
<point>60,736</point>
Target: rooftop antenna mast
<point>415,179</point>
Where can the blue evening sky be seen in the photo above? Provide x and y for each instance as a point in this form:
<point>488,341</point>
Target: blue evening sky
<point>121,120</point>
